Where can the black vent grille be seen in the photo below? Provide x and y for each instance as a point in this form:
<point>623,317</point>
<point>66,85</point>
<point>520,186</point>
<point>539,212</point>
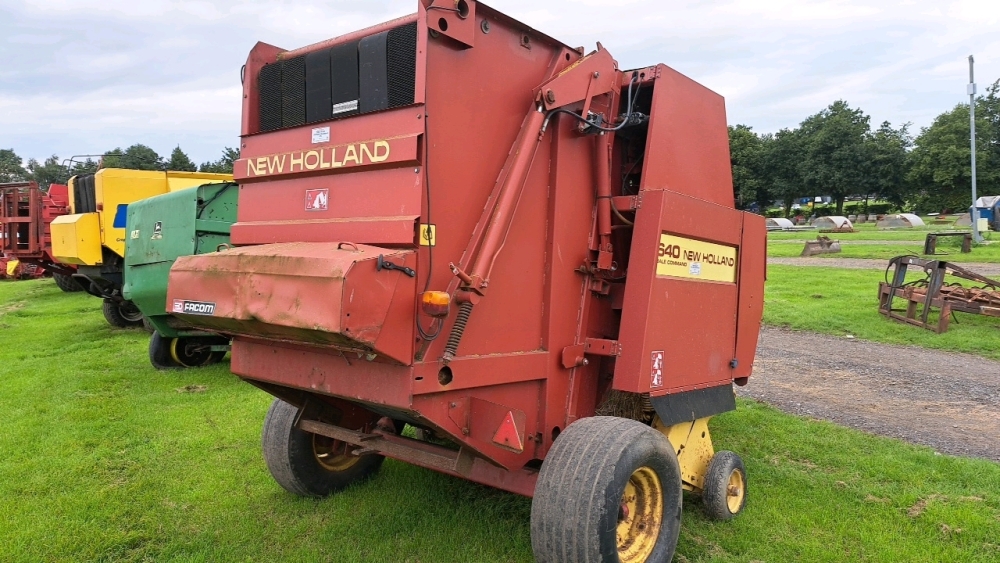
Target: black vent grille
<point>376,73</point>
<point>269,83</point>
<point>293,92</point>
<point>402,64</point>
<point>84,195</point>
<point>319,87</point>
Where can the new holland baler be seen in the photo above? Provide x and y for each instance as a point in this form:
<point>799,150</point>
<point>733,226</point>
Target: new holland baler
<point>455,222</point>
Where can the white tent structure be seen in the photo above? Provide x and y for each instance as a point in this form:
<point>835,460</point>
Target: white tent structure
<point>900,221</point>
<point>779,224</point>
<point>833,223</point>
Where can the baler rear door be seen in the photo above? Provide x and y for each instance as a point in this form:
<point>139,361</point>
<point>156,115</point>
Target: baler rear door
<point>324,294</point>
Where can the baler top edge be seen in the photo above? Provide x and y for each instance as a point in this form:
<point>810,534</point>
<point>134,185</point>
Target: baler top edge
<point>412,18</point>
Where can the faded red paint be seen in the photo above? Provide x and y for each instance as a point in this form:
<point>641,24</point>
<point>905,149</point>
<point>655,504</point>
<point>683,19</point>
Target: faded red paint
<point>531,247</point>
<point>26,213</point>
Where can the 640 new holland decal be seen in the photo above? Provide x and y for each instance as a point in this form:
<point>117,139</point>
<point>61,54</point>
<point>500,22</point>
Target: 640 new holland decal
<point>193,307</point>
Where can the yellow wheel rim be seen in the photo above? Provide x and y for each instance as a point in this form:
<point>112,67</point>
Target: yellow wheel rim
<point>173,351</point>
<point>640,515</point>
<point>735,491</point>
<point>332,454</point>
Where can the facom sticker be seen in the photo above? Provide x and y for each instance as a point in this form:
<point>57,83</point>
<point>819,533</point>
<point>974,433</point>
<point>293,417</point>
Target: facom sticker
<point>193,307</point>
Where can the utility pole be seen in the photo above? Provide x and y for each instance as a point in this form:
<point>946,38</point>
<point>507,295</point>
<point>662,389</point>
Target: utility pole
<point>972,125</point>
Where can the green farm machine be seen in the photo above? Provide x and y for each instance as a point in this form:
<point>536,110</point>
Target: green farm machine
<point>159,230</point>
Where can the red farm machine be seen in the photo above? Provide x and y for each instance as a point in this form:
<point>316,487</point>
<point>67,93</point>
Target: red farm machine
<point>454,222</point>
<point>26,213</point>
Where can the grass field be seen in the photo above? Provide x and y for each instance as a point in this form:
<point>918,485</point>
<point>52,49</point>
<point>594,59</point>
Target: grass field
<point>105,459</point>
<point>841,302</point>
<point>947,251</point>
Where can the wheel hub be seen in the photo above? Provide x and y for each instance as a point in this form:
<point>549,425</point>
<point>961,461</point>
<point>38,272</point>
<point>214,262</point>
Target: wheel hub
<point>735,491</point>
<point>332,454</point>
<point>640,516</point>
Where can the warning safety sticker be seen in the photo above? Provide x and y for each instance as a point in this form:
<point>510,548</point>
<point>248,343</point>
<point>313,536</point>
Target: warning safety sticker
<point>696,260</point>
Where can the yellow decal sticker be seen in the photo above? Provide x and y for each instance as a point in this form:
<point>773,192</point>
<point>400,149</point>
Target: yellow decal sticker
<point>695,260</point>
<point>428,234</point>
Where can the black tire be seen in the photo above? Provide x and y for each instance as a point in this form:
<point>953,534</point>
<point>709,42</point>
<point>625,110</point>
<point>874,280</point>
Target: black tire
<point>148,326</point>
<point>718,500</point>
<point>66,283</point>
<point>159,352</point>
<point>217,356</point>
<point>579,494</point>
<point>290,455</point>
<point>121,314</point>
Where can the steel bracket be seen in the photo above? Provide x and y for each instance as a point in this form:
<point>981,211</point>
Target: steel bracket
<point>574,356</point>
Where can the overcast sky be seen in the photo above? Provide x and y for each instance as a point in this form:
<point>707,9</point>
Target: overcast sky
<point>84,76</point>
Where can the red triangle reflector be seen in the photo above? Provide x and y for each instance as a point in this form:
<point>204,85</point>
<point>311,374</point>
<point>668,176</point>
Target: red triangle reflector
<point>507,435</point>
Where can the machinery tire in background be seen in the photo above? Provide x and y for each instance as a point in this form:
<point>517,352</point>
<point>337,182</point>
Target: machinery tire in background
<point>725,491</point>
<point>183,352</point>
<point>122,314</point>
<point>609,490</point>
<point>148,326</point>
<point>159,352</point>
<point>66,283</point>
<point>304,463</point>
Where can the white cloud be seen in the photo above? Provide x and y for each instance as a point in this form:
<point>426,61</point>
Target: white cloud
<point>86,75</point>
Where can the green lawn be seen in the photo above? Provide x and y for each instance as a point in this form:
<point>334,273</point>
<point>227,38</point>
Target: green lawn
<point>851,247</point>
<point>105,459</point>
<point>841,302</point>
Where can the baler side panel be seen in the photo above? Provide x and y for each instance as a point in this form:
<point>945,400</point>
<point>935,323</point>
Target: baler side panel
<point>319,371</point>
<point>687,150</point>
<point>474,118</point>
<point>684,327</point>
<point>753,264</point>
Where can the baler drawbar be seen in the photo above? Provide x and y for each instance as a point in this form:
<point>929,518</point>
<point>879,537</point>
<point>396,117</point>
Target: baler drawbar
<point>454,222</point>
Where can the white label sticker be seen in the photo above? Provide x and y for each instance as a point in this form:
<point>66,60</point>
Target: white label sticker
<point>345,107</point>
<point>321,135</point>
<point>656,372</point>
<point>317,200</point>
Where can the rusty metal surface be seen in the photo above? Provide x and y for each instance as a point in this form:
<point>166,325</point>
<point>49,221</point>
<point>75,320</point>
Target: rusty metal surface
<point>934,291</point>
<point>822,245</point>
<point>554,235</point>
<point>26,213</point>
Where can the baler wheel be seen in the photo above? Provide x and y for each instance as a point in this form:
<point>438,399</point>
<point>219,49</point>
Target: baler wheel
<point>121,314</point>
<point>66,283</point>
<point>306,464</point>
<point>725,492</point>
<point>609,490</point>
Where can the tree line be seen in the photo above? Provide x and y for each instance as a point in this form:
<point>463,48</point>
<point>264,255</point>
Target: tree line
<point>837,153</point>
<point>54,170</point>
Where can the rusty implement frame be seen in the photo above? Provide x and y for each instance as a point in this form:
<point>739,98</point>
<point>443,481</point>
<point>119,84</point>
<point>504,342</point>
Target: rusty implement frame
<point>822,245</point>
<point>932,292</point>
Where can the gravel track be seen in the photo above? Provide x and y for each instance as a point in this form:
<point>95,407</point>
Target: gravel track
<point>873,264</point>
<point>945,400</point>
